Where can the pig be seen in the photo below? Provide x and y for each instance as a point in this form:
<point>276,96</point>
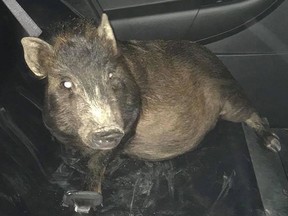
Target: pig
<point>153,100</point>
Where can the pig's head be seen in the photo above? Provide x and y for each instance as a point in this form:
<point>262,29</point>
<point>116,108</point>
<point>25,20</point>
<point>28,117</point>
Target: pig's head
<point>91,99</point>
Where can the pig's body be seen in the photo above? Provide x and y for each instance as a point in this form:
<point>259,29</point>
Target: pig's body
<point>162,96</point>
<point>181,86</point>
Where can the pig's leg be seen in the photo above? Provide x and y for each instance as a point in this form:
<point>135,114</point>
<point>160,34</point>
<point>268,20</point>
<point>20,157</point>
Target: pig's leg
<point>91,196</point>
<point>238,109</point>
<point>97,166</point>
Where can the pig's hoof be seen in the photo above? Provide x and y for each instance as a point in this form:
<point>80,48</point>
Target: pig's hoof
<point>272,142</point>
<point>82,201</point>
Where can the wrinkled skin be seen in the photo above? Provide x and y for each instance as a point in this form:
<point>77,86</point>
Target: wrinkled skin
<point>152,100</point>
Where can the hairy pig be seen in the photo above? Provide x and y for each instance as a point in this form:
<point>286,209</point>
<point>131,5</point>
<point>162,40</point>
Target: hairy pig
<point>153,100</point>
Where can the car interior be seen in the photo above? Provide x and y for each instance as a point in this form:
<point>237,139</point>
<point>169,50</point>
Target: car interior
<point>229,174</point>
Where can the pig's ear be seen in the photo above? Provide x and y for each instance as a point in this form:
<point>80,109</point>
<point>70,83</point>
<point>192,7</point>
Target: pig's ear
<point>37,53</point>
<point>105,31</point>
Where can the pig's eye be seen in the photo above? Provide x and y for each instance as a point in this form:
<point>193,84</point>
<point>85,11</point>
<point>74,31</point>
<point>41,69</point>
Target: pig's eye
<point>110,75</point>
<point>67,84</point>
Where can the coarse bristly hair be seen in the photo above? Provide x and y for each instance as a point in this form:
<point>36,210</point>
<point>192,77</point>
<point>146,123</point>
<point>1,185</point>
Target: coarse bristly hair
<point>82,32</point>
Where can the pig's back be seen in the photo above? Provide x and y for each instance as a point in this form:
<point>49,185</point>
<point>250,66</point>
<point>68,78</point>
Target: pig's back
<point>180,84</point>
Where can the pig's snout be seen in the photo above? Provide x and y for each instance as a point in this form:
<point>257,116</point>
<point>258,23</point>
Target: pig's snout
<point>107,139</point>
